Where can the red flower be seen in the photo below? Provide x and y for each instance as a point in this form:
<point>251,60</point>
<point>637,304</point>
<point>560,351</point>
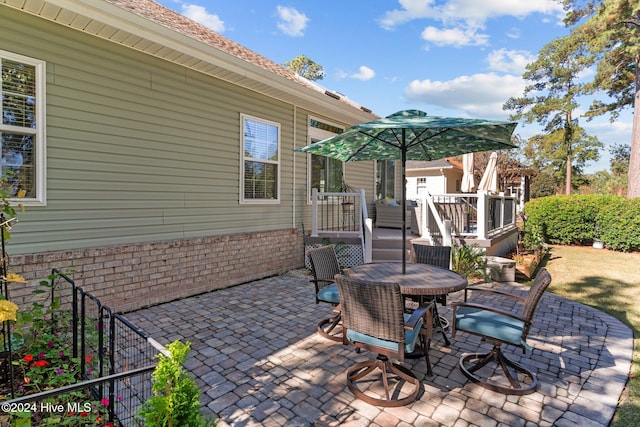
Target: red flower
<point>88,359</point>
<point>71,412</point>
<point>40,363</point>
<point>28,358</point>
<point>84,413</point>
<point>104,401</point>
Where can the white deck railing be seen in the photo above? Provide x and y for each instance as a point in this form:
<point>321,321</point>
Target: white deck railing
<point>479,215</point>
<point>342,215</point>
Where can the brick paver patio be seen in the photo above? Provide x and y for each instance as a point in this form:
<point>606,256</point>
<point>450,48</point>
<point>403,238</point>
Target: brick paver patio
<point>259,362</point>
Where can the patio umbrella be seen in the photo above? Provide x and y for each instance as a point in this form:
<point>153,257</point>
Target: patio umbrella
<point>489,180</point>
<point>412,135</point>
<point>468,184</point>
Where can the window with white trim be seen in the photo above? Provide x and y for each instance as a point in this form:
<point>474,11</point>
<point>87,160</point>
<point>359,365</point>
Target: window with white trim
<point>260,173</point>
<point>22,128</point>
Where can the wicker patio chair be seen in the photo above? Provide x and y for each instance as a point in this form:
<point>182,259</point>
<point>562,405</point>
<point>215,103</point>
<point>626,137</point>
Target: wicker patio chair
<point>324,266</point>
<point>373,318</point>
<point>500,327</point>
<point>440,256</point>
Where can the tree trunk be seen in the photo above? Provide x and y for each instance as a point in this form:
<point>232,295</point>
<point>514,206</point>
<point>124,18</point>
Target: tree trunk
<point>568,184</point>
<point>634,160</point>
<point>568,140</point>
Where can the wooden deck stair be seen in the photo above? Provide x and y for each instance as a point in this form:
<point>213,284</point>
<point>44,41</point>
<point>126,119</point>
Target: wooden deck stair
<point>387,244</point>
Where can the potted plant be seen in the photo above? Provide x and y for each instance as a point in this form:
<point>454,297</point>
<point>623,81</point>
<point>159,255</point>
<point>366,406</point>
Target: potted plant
<point>348,205</point>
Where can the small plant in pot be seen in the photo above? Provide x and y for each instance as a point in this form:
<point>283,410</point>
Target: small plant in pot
<point>348,204</point>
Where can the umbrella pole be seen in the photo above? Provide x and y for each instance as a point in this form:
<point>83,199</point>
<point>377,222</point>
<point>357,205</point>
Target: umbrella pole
<point>403,209</point>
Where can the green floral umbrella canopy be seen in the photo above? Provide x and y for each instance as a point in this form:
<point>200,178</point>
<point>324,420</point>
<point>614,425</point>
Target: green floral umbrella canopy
<point>412,135</point>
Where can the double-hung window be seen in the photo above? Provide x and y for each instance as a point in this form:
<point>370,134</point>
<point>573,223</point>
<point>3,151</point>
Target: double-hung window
<point>260,174</point>
<point>22,129</point>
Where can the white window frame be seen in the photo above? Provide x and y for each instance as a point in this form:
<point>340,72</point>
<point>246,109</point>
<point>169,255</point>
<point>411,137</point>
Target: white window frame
<point>244,158</point>
<point>39,133</point>
<point>314,135</point>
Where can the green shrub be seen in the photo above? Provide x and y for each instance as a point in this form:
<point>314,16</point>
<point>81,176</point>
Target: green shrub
<point>619,225</point>
<point>176,397</point>
<point>579,219</point>
<point>470,261</point>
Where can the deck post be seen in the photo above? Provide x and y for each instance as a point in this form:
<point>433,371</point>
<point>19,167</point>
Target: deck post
<point>314,212</point>
<point>446,236</point>
<point>483,214</point>
<point>368,240</point>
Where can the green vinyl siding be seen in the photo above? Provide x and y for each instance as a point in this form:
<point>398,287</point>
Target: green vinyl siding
<point>140,150</point>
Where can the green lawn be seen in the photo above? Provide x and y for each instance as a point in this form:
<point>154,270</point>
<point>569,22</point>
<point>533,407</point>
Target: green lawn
<point>609,281</point>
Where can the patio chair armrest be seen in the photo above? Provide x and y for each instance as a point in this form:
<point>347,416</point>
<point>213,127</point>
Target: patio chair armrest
<point>494,291</point>
<point>456,304</point>
<point>417,314</point>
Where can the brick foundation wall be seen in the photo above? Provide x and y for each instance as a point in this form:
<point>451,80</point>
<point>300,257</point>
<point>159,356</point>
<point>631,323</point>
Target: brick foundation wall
<point>129,277</point>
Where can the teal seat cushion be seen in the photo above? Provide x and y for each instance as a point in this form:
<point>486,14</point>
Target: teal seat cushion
<point>490,324</point>
<point>410,338</point>
<point>329,294</point>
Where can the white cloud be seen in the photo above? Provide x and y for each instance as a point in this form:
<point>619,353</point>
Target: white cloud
<point>364,74</point>
<point>479,95</point>
<point>461,20</point>
<point>510,61</point>
<point>292,22</point>
<point>514,33</point>
<point>201,16</point>
<point>456,37</point>
<point>470,11</point>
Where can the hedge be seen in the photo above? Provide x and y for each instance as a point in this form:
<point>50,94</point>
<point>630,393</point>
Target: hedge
<point>579,219</point>
<point>619,225</point>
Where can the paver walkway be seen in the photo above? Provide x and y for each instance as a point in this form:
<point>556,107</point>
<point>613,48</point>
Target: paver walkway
<point>259,362</point>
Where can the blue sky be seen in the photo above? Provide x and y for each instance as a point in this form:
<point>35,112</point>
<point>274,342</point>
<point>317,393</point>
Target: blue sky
<point>461,58</point>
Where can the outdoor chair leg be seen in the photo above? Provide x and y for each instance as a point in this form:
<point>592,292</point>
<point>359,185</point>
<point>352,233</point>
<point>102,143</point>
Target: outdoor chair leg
<point>470,363</point>
<point>440,323</point>
<point>326,327</point>
<point>382,363</point>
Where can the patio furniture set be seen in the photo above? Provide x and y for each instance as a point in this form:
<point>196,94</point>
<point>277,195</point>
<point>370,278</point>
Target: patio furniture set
<point>392,312</point>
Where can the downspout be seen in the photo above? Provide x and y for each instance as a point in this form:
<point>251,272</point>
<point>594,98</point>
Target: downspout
<point>293,198</point>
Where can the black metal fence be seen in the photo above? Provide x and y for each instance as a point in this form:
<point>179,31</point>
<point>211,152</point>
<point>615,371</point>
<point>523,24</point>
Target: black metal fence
<point>116,361</point>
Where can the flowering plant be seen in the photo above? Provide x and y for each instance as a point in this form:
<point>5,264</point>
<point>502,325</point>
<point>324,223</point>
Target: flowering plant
<point>8,310</point>
<point>45,361</point>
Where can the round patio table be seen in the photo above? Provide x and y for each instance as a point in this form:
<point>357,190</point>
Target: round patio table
<point>419,280</point>
<point>422,280</point>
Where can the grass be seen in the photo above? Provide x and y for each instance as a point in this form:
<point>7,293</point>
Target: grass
<point>608,281</point>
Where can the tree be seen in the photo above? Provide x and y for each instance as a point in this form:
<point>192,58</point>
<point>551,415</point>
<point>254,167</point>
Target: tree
<point>620,156</point>
<point>542,185</point>
<point>546,153</point>
<point>611,31</point>
<point>510,169</point>
<point>616,181</point>
<point>306,67</point>
<point>550,98</point>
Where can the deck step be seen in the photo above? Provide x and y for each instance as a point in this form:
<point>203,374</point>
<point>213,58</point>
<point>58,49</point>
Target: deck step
<point>387,247</point>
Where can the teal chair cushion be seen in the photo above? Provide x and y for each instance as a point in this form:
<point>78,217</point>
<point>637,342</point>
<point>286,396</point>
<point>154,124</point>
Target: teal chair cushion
<point>329,294</point>
<point>410,338</point>
<point>489,324</point>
